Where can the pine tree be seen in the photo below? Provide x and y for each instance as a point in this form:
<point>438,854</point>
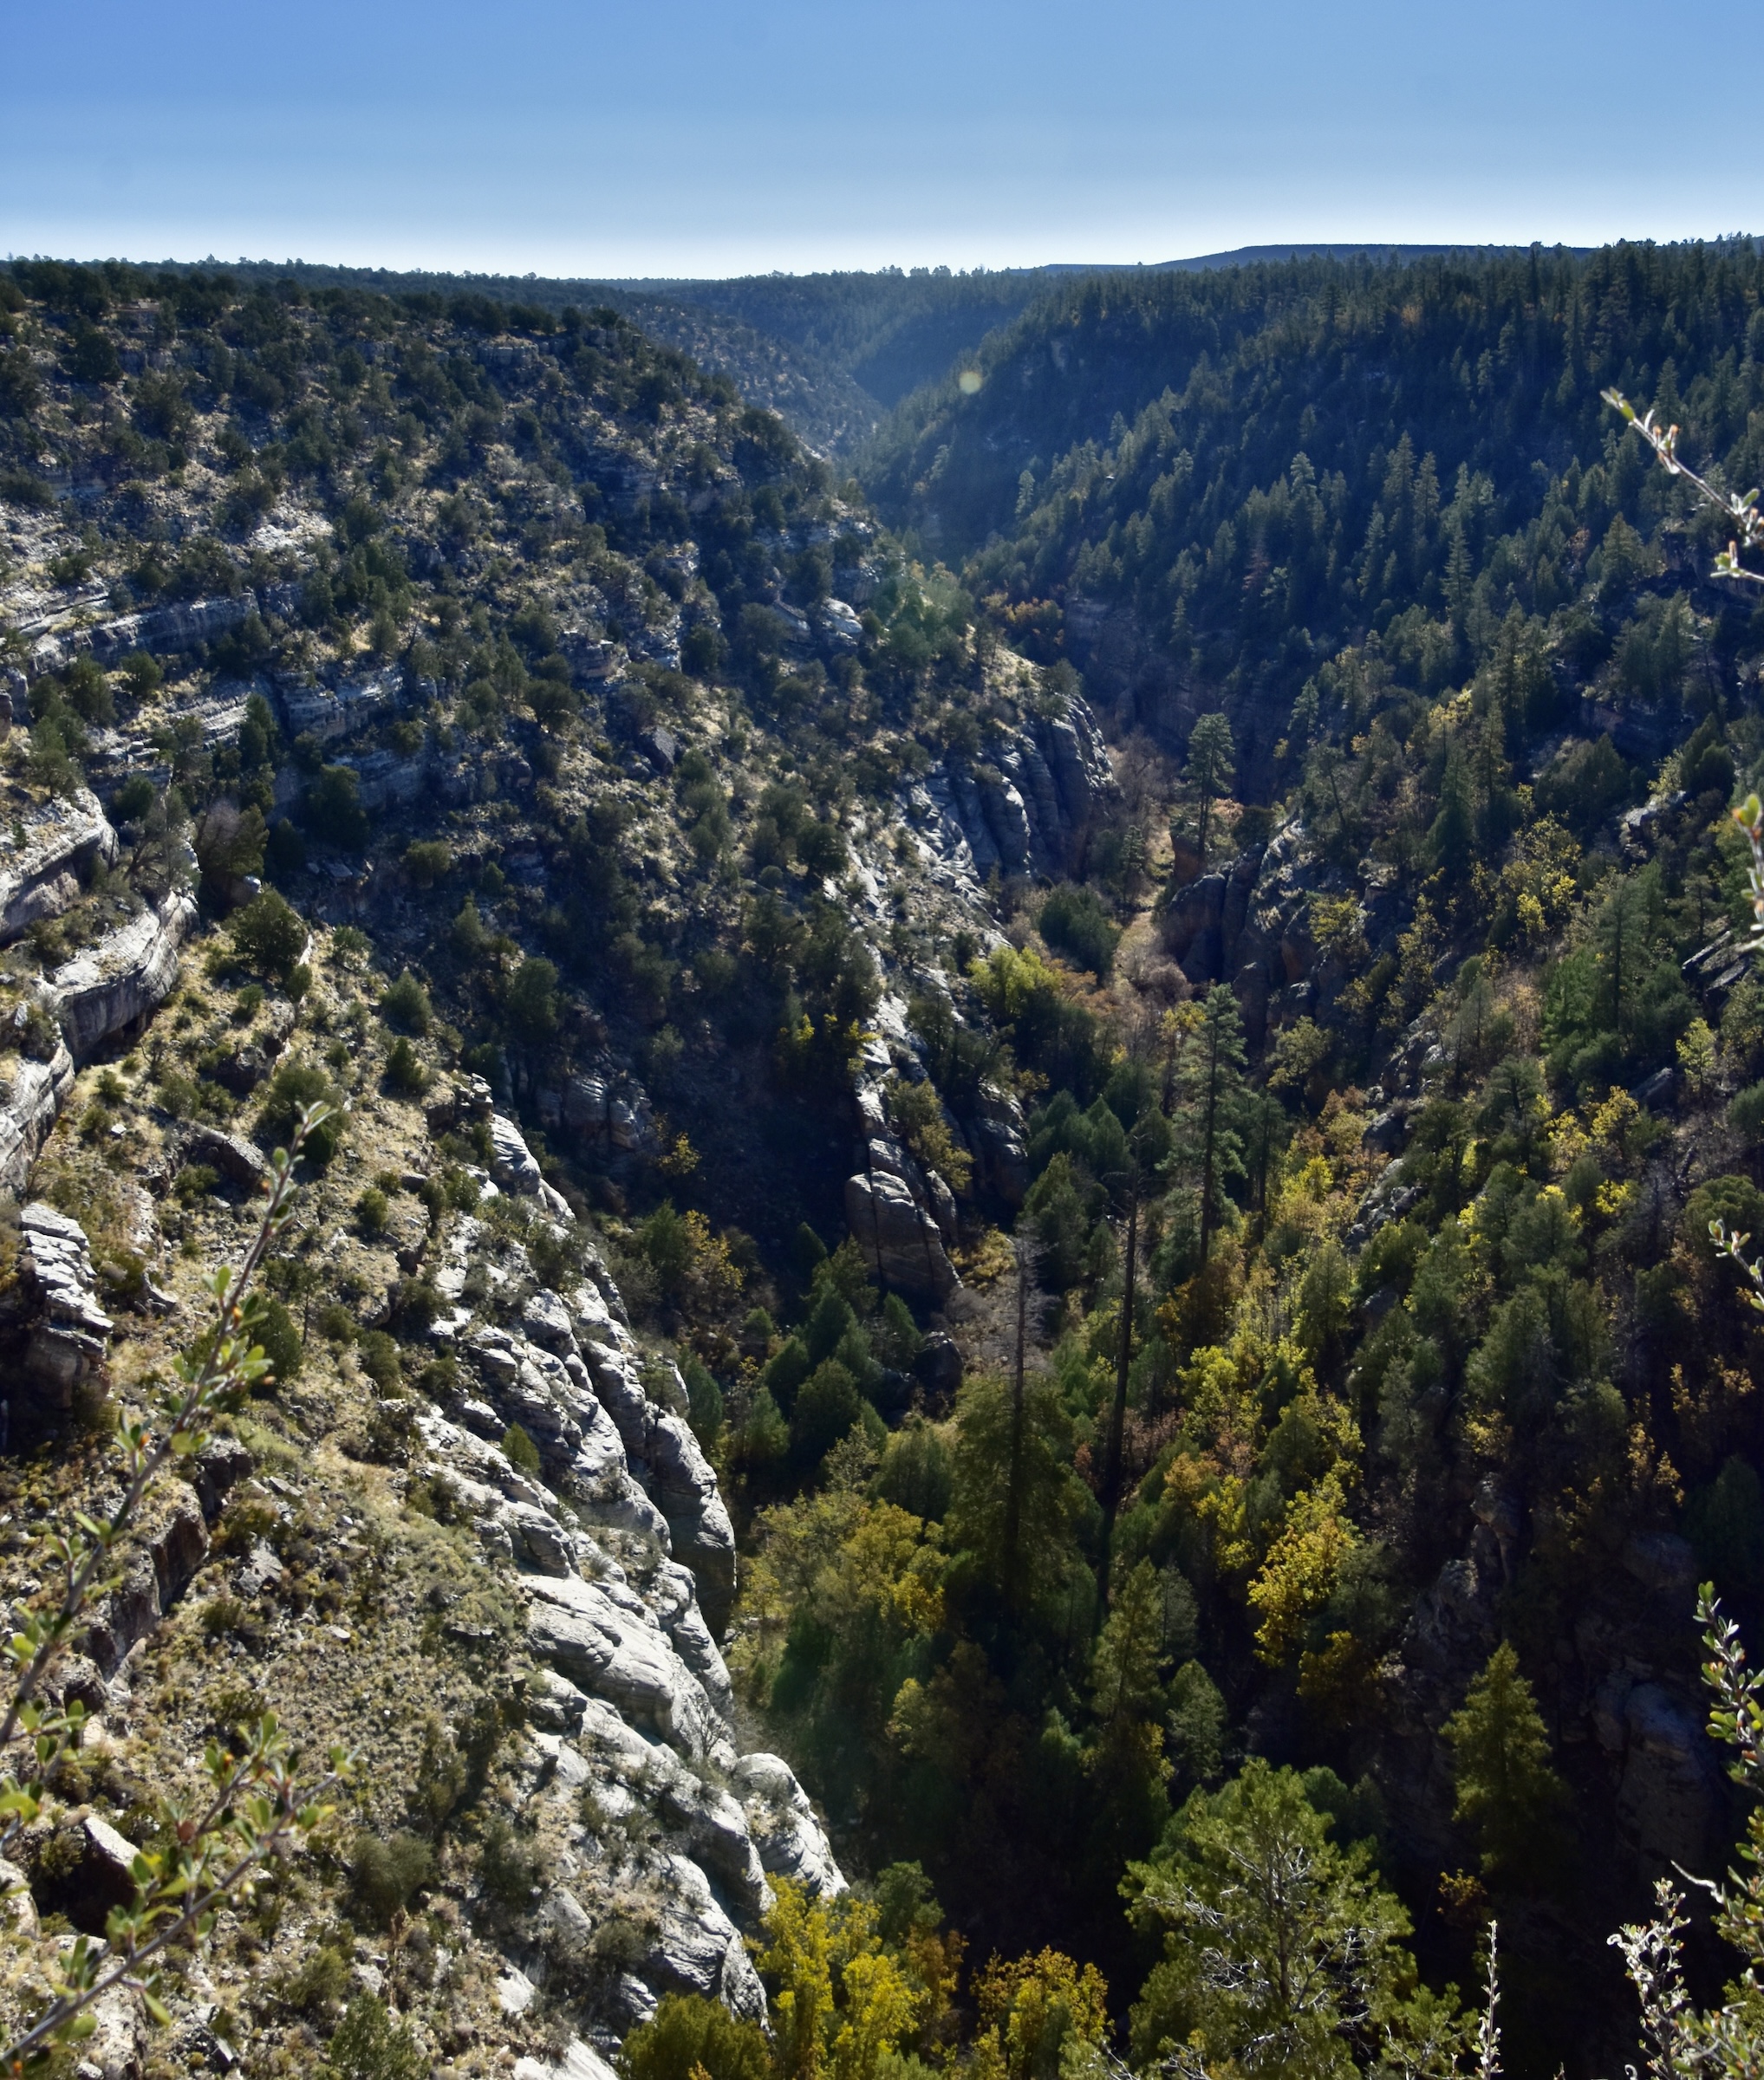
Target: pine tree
<point>1452,838</point>
<point>1281,1949</point>
<point>1212,768</point>
<point>1126,1760</point>
<point>1508,1794</point>
<point>1624,933</point>
<point>1460,577</point>
<point>1210,1103</point>
<point>1124,1670</point>
<point>1048,1498</point>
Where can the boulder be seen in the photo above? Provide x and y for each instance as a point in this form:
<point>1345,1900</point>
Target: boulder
<point>546,1320</point>
<point>235,1160</point>
<point>660,747</point>
<point>1656,1092</point>
<point>901,1242</point>
<point>219,1466</point>
<point>537,1538</point>
<point>840,625</point>
<point>552,1703</point>
<point>261,1569</point>
<point>178,1545</point>
<point>790,1841</point>
<point>511,1162</point>
<point>95,1873</point>
<point>67,1333</point>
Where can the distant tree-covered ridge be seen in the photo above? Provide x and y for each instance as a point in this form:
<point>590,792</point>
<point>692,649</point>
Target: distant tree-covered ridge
<point>1270,465</point>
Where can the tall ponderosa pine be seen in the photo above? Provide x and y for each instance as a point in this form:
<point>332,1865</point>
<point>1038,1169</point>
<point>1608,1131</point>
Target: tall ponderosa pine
<point>1508,1794</point>
<point>1050,1498</point>
<point>1451,841</point>
<point>1145,1148</point>
<point>1126,1761</point>
<point>1014,1485</point>
<point>1117,1413</point>
<point>1211,1092</point>
<point>1212,768</point>
<point>1125,1680</point>
<point>1624,933</point>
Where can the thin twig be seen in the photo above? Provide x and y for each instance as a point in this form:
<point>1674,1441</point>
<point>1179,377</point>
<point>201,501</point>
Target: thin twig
<point>1742,508</point>
<point>254,1801</point>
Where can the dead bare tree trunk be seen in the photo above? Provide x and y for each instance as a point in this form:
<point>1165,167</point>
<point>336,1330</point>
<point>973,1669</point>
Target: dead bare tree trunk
<point>1117,1415</point>
<point>1014,1492</point>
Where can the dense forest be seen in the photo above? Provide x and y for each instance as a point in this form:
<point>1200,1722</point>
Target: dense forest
<point>1269,464</point>
<point>833,353</point>
<point>1335,1394</point>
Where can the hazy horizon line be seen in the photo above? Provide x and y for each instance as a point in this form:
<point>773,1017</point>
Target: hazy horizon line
<point>1260,252</point>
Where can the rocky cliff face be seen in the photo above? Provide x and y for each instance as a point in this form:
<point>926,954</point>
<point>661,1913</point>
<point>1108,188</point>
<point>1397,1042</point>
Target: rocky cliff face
<point>34,1091</point>
<point>115,986</point>
<point>58,1329</point>
<point>1024,808</point>
<point>122,979</point>
<point>624,1559</point>
<point>51,845</point>
<point>649,1839</point>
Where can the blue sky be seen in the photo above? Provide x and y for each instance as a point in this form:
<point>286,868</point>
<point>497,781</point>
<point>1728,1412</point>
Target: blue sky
<point>691,138</point>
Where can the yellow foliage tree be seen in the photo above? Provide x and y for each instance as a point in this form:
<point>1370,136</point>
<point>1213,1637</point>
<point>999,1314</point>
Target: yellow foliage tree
<point>798,1958</point>
<point>1031,2009</point>
<point>917,1112</point>
<point>862,1568</point>
<point>1304,1563</point>
<point>840,2002</point>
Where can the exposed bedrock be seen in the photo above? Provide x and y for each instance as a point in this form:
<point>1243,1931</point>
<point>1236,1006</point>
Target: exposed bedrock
<point>39,873</point>
<point>127,975</point>
<point>1023,806</point>
<point>623,1551</point>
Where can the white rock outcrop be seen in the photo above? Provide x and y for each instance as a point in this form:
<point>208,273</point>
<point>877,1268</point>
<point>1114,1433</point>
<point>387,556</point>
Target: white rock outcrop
<point>39,869</point>
<point>127,975</point>
<point>63,1333</point>
<point>621,1545</point>
<point>31,1097</point>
